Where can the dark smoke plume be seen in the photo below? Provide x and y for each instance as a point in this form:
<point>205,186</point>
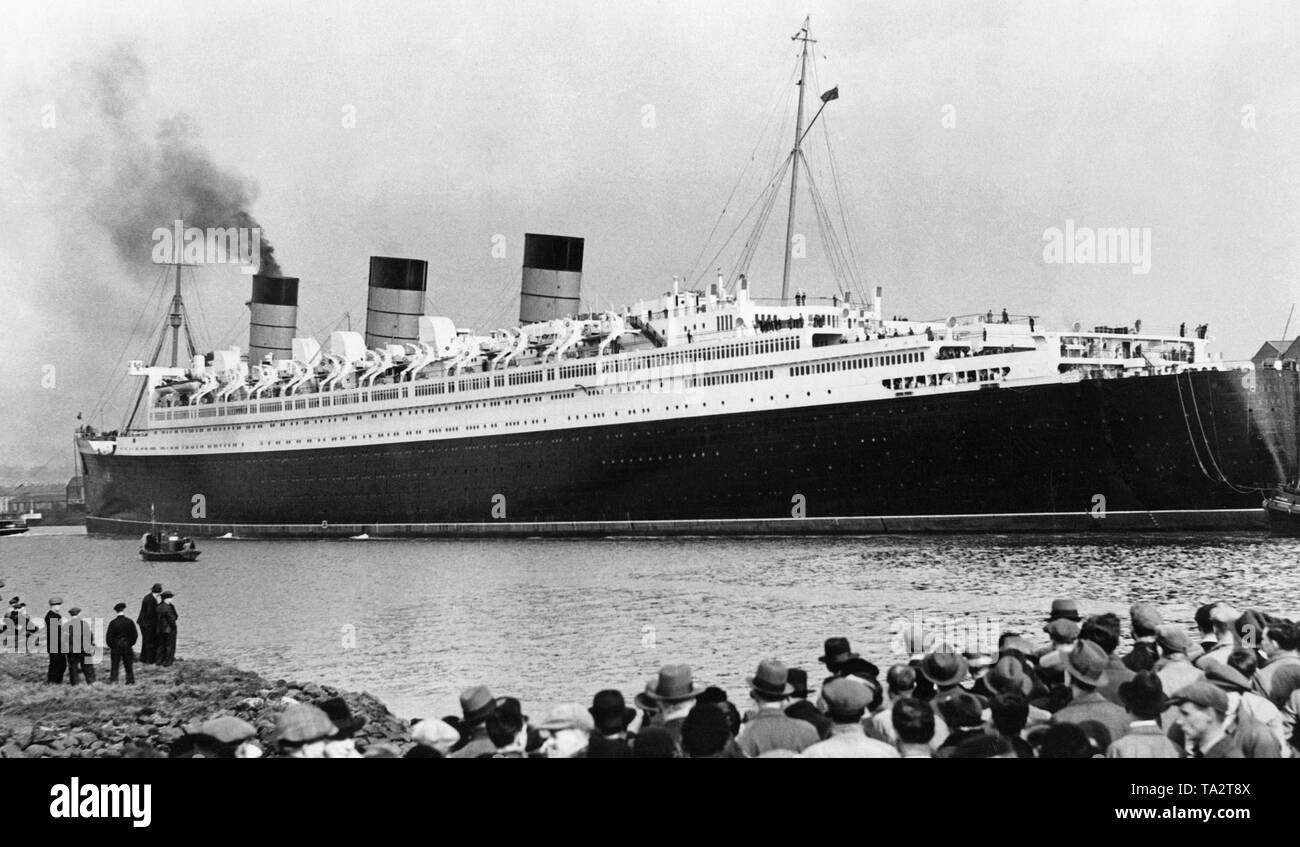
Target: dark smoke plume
<point>154,181</point>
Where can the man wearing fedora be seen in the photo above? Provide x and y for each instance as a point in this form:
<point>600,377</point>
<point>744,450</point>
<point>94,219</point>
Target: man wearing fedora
<point>1145,699</point>
<point>1064,608</point>
<point>476,704</point>
<point>1086,666</point>
<point>669,697</point>
<point>771,728</point>
<point>846,703</point>
<point>836,655</point>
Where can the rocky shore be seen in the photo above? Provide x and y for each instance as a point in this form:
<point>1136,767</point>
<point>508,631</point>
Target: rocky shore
<point>102,720</point>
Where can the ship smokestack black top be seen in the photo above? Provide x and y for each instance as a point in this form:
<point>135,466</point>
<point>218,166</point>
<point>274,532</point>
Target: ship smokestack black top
<point>272,317</point>
<point>552,280</point>
<point>396,300</point>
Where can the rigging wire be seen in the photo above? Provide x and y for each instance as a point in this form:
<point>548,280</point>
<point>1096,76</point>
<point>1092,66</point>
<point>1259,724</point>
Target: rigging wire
<point>766,198</point>
<point>779,104</point>
<point>130,336</point>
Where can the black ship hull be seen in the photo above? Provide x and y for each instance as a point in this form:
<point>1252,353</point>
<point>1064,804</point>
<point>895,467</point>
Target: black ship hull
<point>1193,451</point>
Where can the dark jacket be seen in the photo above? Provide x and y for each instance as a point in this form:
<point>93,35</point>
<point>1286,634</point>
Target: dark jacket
<point>166,619</point>
<point>121,633</point>
<point>78,637</point>
<point>148,617</point>
<point>54,632</point>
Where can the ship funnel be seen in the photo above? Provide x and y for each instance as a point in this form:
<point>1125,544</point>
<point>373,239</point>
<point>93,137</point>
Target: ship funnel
<point>272,318</point>
<point>552,277</point>
<point>396,300</point>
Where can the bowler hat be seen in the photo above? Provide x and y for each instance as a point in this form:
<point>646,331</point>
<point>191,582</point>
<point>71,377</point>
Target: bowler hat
<point>508,717</point>
<point>157,588</point>
<point>837,652</point>
<point>1064,607</point>
<point>610,711</point>
<point>476,704</point>
<point>1143,695</point>
<point>944,669</point>
<point>673,685</point>
<point>1008,674</point>
<point>119,607</point>
<point>771,681</point>
<point>341,716</point>
<point>1087,663</point>
<point>798,679</point>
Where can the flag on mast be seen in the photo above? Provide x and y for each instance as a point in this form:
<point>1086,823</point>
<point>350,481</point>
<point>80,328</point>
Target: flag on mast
<point>833,94</point>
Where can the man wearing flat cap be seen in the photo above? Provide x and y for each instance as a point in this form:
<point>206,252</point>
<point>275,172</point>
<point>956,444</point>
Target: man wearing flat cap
<point>79,646</point>
<point>121,637</point>
<point>1202,709</point>
<point>224,737</point>
<point>302,730</point>
<point>1175,668</point>
<point>771,728</point>
<point>147,620</point>
<point>846,703</point>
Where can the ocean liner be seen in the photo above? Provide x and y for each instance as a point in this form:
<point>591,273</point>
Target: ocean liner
<point>703,409</point>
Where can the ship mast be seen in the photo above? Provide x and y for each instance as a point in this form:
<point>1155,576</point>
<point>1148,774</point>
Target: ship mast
<point>175,318</point>
<point>802,35</point>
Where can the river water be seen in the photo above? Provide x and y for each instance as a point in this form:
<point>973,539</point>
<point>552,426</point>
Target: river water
<point>414,621</point>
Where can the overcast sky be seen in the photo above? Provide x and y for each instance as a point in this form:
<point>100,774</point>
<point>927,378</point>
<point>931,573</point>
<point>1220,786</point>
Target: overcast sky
<point>963,131</point>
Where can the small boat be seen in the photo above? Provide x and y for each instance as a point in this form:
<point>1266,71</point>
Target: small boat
<point>1283,510</point>
<point>10,526</point>
<point>159,547</point>
<point>33,518</point>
